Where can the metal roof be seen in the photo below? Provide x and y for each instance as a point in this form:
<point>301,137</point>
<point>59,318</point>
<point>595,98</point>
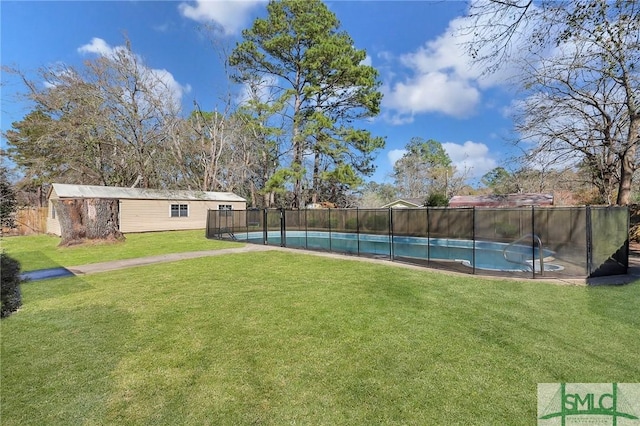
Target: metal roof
<point>507,200</point>
<point>93,191</point>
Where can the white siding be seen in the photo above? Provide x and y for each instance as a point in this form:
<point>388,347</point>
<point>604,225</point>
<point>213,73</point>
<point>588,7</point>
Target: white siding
<point>53,224</point>
<point>146,214</point>
<point>155,215</point>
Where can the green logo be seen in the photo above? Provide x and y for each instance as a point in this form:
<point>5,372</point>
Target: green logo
<point>614,404</point>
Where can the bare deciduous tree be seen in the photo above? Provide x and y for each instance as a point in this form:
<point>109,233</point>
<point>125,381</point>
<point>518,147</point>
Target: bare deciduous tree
<point>580,75</point>
<point>140,106</point>
<point>104,123</point>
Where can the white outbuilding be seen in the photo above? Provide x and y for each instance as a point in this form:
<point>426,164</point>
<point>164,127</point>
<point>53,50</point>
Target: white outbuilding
<point>145,210</point>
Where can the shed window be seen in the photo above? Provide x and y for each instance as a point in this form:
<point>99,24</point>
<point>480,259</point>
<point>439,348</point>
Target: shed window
<point>225,209</point>
<point>53,211</point>
<point>179,210</point>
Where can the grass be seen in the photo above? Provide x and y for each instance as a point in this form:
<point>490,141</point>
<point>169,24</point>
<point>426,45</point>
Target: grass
<point>286,338</point>
<point>42,251</point>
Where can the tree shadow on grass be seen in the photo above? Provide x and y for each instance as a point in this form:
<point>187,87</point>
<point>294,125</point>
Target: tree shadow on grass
<point>51,273</point>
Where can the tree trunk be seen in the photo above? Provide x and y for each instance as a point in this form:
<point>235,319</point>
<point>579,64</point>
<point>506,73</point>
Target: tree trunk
<point>628,163</point>
<point>88,219</point>
<point>298,145</point>
<point>626,176</point>
<point>316,178</point>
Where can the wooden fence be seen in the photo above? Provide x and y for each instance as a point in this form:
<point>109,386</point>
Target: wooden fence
<point>29,221</point>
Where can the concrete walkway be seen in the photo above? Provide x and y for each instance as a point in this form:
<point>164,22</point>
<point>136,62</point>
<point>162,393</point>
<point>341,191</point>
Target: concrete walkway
<point>162,258</point>
<point>633,274</point>
<point>93,268</point>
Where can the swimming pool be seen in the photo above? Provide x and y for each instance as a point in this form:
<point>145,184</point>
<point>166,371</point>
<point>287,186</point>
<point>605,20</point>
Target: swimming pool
<point>485,255</point>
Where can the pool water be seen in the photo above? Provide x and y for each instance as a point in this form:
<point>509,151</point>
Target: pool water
<point>486,255</point>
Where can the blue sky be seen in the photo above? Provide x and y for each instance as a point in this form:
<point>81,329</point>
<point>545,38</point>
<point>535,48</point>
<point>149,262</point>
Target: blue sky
<point>430,88</point>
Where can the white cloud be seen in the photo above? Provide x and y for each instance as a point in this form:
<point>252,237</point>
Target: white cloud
<point>471,158</point>
<point>263,91</point>
<point>100,47</point>
<point>432,92</point>
<point>442,54</point>
<point>58,74</point>
<point>97,46</point>
<point>441,77</point>
<point>170,82</point>
<point>438,81</point>
<point>395,154</point>
<point>448,53</point>
<point>232,16</point>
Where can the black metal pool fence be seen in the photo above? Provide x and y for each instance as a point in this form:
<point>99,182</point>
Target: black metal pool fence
<point>531,242</point>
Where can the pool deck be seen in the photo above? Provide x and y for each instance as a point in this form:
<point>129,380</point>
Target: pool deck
<point>632,276</point>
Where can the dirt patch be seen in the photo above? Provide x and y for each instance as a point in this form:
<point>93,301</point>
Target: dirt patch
<point>87,242</point>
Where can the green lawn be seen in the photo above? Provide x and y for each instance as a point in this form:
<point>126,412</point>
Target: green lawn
<point>42,251</point>
<point>286,338</point>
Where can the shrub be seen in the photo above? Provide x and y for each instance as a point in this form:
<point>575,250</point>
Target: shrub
<point>8,203</point>
<point>437,200</point>
<point>10,296</point>
<point>507,230</point>
<point>377,222</point>
<point>351,224</point>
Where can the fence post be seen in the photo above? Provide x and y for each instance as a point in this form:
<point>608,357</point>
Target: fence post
<point>306,230</point>
<point>219,224</point>
<point>206,231</point>
<point>533,243</point>
<point>358,229</point>
<point>473,238</point>
<point>283,233</point>
<point>589,241</point>
<point>390,219</point>
<point>329,223</point>
<point>428,237</point>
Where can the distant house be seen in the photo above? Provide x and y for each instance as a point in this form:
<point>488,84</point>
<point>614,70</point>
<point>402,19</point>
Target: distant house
<point>508,200</point>
<point>144,210</point>
<point>405,203</point>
